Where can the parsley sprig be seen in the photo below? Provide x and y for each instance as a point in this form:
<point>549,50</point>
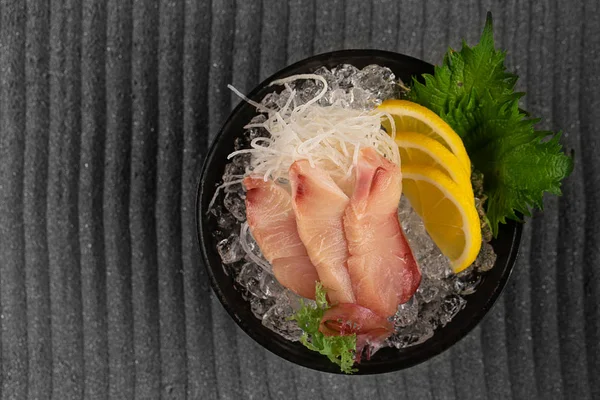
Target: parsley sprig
<point>339,349</point>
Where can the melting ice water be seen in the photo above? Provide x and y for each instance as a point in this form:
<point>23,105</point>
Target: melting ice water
<point>441,293</point>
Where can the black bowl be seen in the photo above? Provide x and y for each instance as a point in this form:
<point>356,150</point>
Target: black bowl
<point>387,359</point>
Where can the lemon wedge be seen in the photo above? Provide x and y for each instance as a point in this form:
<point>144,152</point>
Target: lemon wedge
<point>447,211</point>
<point>412,117</point>
<point>417,149</point>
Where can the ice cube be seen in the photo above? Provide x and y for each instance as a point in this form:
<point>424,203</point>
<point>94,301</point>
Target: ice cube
<point>427,293</point>
<point>361,99</point>
<point>339,97</point>
<point>278,320</point>
<point>232,171</point>
<point>411,335</point>
<point>260,306</point>
<point>258,119</point>
<point>407,313</point>
<point>344,74</point>
<point>404,210</point>
<point>219,235</point>
<point>227,222</point>
<point>432,262</point>
<point>239,143</point>
<point>235,188</point>
<point>307,90</point>
<point>467,281</point>
<point>432,289</point>
<point>271,101</point>
<point>242,160</point>
<point>250,279</point>
<point>450,306</point>
<point>424,249</point>
<point>403,339</point>
<point>377,80</point>
<point>254,133</point>
<point>435,265</point>
<point>233,269</point>
<point>216,210</point>
<point>414,229</point>
<point>270,286</point>
<point>329,77</point>
<point>486,258</point>
<point>252,247</point>
<point>230,249</point>
<point>283,98</point>
<point>235,205</point>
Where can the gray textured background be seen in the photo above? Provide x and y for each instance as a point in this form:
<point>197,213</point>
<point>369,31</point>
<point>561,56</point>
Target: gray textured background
<point>106,110</point>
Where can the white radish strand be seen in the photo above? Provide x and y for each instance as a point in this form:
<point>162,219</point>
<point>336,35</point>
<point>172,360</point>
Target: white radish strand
<point>327,136</point>
<point>258,106</point>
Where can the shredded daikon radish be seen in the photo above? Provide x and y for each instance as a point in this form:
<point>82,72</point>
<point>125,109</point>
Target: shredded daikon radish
<point>327,136</point>
<point>247,100</point>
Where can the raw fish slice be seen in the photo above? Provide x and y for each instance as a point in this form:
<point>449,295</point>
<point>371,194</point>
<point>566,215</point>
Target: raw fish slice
<point>346,183</point>
<point>381,264</point>
<point>319,206</point>
<point>297,274</point>
<point>272,222</point>
<point>271,219</point>
<point>343,181</point>
<point>346,319</point>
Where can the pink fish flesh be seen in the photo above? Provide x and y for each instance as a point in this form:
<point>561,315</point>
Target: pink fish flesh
<point>381,264</point>
<point>319,205</point>
<point>346,319</point>
<point>272,223</point>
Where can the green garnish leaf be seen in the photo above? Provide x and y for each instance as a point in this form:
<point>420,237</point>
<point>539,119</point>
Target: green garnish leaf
<point>475,95</point>
<point>339,349</point>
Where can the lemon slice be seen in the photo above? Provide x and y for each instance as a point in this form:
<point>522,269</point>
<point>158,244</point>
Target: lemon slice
<point>418,149</point>
<point>448,213</point>
<point>412,117</point>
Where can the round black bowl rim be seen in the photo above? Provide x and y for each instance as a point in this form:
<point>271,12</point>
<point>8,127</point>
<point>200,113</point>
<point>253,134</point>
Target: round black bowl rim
<point>424,352</point>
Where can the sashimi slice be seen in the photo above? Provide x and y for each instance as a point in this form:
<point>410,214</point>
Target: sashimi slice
<point>272,223</point>
<point>319,206</point>
<point>346,183</point>
<point>381,264</point>
<point>349,318</point>
<point>297,274</point>
<point>371,329</point>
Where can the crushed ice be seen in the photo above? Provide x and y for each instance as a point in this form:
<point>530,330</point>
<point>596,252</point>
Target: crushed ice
<point>441,293</point>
